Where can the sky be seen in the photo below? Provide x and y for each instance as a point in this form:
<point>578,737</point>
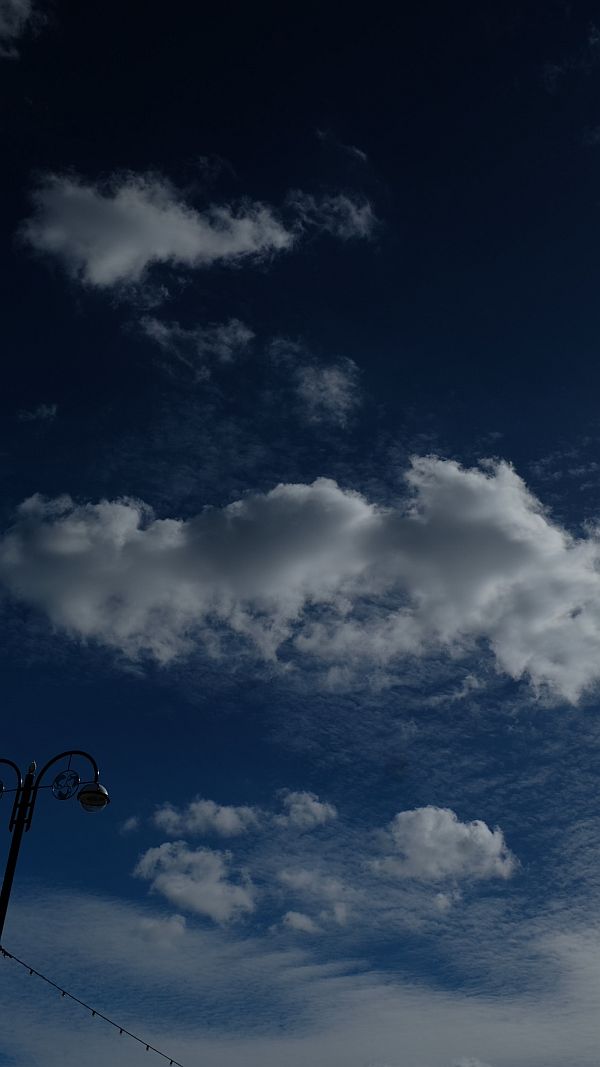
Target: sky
<point>300,531</point>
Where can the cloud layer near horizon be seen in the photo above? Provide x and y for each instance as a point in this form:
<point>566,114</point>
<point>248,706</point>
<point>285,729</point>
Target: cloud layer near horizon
<point>469,555</point>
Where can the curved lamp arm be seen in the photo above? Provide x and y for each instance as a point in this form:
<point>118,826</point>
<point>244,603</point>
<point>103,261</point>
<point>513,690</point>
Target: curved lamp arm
<point>50,763</point>
<point>63,755</point>
<point>9,763</point>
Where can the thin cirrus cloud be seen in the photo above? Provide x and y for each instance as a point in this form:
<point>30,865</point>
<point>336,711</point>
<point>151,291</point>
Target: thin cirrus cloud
<point>431,844</point>
<point>467,556</point>
<point>195,346</point>
<point>328,392</point>
<point>339,214</point>
<point>109,235</point>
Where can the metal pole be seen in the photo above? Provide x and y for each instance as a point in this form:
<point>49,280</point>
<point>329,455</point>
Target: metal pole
<point>18,822</point>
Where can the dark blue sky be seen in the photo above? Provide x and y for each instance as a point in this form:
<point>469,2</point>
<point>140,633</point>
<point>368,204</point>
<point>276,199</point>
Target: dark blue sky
<point>299,455</point>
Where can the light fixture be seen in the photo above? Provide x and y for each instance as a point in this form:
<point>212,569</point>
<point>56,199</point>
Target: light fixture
<point>93,797</point>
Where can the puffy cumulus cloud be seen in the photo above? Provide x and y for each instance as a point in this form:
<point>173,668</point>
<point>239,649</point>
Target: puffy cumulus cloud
<point>328,393</point>
<point>109,235</point>
<point>430,844</point>
<point>14,18</point>
<point>304,811</point>
<point>194,346</point>
<point>468,558</point>
<point>196,880</point>
<point>205,817</point>
<point>340,215</point>
<point>297,920</point>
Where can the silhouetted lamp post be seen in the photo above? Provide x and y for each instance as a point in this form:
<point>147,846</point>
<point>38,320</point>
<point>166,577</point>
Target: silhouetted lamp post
<point>91,795</point>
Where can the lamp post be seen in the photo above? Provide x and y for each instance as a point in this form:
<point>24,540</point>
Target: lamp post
<point>67,783</point>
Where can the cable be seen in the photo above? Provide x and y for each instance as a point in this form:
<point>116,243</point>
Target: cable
<point>94,1011</point>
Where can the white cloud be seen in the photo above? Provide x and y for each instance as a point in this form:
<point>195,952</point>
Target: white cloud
<point>304,811</point>
<point>195,345</point>
<point>297,920</point>
<point>130,825</point>
<point>431,844</point>
<point>109,235</point>
<point>196,880</point>
<point>469,557</point>
<point>14,17</point>
<point>328,393</point>
<point>205,817</point>
<point>340,215</point>
<point>264,1005</point>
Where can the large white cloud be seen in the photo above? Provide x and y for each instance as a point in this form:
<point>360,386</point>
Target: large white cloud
<point>469,556</point>
<point>196,880</point>
<point>430,844</point>
<point>109,235</point>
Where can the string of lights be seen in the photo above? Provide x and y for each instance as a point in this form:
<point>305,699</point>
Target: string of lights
<point>94,1012</point>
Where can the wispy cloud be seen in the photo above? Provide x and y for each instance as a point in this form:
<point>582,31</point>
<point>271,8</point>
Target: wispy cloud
<point>339,214</point>
<point>295,1007</point>
<point>15,15</point>
<point>42,413</point>
<point>195,346</point>
<point>351,150</point>
<point>328,392</point>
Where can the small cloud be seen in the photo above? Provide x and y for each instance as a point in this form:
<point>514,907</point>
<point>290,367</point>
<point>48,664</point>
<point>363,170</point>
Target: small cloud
<point>304,811</point>
<point>430,844</point>
<point>197,880</point>
<point>206,817</point>
<point>297,920</point>
<point>43,413</point>
<point>328,393</point>
<point>131,825</point>
<point>326,137</point>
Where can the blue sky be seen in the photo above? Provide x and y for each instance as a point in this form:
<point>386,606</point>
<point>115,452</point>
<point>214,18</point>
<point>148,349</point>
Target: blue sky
<point>299,530</point>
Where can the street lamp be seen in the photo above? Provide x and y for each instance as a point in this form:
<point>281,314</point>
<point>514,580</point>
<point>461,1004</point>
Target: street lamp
<point>67,783</point>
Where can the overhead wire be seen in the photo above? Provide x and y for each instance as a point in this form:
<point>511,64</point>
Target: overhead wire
<point>94,1011</point>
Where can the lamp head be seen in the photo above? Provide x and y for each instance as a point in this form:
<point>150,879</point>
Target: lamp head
<point>93,797</point>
